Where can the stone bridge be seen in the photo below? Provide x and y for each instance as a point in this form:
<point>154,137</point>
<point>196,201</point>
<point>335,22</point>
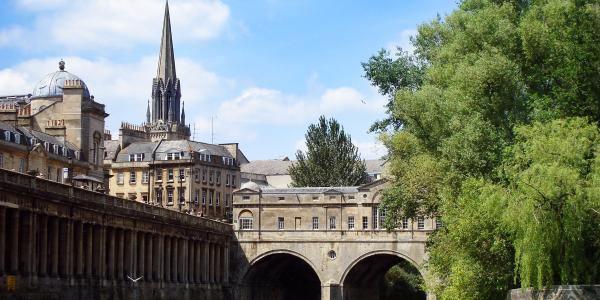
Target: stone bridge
<point>332,265</point>
<point>62,242</point>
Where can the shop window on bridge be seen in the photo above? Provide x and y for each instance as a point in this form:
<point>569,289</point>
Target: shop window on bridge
<point>420,223</point>
<point>405,223</point>
<point>315,223</point>
<point>378,217</point>
<point>351,222</point>
<point>365,223</point>
<point>280,223</point>
<point>246,220</point>
<point>332,223</point>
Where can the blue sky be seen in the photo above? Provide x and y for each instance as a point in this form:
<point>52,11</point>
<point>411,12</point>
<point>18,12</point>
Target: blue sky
<point>262,70</point>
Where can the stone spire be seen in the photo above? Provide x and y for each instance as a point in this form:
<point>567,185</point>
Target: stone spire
<point>148,113</point>
<point>183,112</point>
<point>166,59</point>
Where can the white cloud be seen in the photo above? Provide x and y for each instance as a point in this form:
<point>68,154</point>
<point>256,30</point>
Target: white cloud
<point>371,149</point>
<point>123,88</point>
<point>403,42</point>
<point>115,24</point>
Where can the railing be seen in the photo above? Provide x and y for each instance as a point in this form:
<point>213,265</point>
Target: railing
<point>83,196</point>
<point>334,235</point>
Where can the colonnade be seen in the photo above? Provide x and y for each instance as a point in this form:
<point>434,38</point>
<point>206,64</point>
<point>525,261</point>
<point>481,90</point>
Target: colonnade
<point>39,246</point>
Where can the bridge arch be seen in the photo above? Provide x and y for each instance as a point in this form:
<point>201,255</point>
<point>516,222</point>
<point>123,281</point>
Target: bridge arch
<point>281,274</point>
<point>363,277</point>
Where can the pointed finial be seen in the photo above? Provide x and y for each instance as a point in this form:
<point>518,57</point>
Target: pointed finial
<point>148,113</point>
<point>183,112</point>
<point>61,65</point>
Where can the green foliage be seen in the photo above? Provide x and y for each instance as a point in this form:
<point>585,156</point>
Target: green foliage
<point>551,172</point>
<point>331,159</point>
<point>403,281</point>
<point>486,135</point>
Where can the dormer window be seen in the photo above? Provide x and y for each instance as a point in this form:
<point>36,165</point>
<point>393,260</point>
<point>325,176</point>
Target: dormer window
<point>228,161</point>
<point>136,157</point>
<point>7,136</point>
<point>55,149</point>
<point>174,155</point>
<point>17,138</point>
<point>78,155</point>
<point>47,146</point>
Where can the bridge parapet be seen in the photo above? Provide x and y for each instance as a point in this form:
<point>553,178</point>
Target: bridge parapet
<point>333,235</point>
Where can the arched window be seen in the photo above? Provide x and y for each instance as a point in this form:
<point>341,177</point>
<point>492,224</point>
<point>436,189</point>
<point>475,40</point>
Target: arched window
<point>246,220</point>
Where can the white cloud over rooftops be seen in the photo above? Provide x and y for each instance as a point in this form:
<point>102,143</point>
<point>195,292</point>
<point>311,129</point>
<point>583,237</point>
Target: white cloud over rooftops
<point>113,24</point>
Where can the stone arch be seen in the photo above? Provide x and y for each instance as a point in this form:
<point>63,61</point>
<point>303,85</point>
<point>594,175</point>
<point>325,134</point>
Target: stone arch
<point>245,214</point>
<point>364,276</point>
<point>278,275</point>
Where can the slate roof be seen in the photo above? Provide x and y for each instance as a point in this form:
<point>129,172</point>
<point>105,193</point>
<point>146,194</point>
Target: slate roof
<point>140,147</point>
<point>111,147</point>
<point>164,147</point>
<point>280,167</point>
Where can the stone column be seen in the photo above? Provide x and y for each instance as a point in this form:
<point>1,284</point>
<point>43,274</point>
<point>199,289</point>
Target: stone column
<point>13,241</point>
<point>120,254</point>
<point>110,237</point>
<point>2,239</point>
<point>26,235</point>
<point>197,264</point>
<point>167,259</point>
<point>205,261</point>
<point>218,263</point>
<point>63,264</point>
<point>89,249</point>
<point>141,254</point>
<point>130,253</point>
<point>226,263</point>
<point>54,240</point>
<point>43,245</point>
<point>149,257</point>
<point>96,255</point>
<point>79,239</point>
<point>102,248</point>
<point>156,257</point>
<point>180,260</point>
<point>174,259</point>
<point>70,248</point>
<point>185,260</point>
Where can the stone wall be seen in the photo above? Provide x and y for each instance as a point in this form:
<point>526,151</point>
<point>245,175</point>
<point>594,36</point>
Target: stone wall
<point>557,292</point>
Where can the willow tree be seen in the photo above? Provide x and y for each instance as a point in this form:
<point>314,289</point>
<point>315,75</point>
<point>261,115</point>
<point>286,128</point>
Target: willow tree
<point>330,160</point>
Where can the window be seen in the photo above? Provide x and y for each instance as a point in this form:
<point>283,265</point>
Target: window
<point>420,223</point>
<point>145,198</point>
<point>246,223</point>
<point>203,196</point>
<point>203,175</point>
<point>405,223</point>
<point>332,223</point>
<point>218,177</point>
<point>78,154</point>
<point>47,146</point>
<point>7,136</point>
<point>131,196</point>
<point>350,197</point>
<point>132,177</point>
<point>49,172</point>
<point>233,180</point>
<point>1,160</point>
<point>55,149</point>
<point>315,198</point>
<point>158,195</point>
<point>365,223</point>
<point>280,223</point>
<point>211,174</point>
<point>351,222</point>
<point>120,195</point>
<point>197,175</point>
<point>227,199</point>
<point>181,174</point>
<point>315,223</point>
<point>144,176</point>
<point>332,197</point>
<point>245,197</point>
<point>438,223</point>
<point>227,179</point>
<point>120,178</point>
<point>170,175</point>
<point>174,155</point>
<point>17,138</point>
<point>210,197</point>
<point>170,197</point>
<point>136,157</point>
<point>58,175</point>
<point>381,214</point>
<point>181,196</point>
<point>218,199</point>
<point>159,175</point>
<point>196,196</point>
<point>280,198</point>
<point>22,165</point>
<point>375,216</point>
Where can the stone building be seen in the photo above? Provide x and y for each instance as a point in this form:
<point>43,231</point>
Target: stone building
<point>321,209</point>
<point>57,128</point>
<point>157,163</point>
<point>274,172</point>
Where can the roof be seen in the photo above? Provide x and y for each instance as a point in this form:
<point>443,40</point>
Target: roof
<point>280,167</point>
<point>164,147</point>
<point>44,137</point>
<point>111,147</point>
<point>310,190</point>
<point>52,84</point>
<point>267,167</point>
<point>139,147</point>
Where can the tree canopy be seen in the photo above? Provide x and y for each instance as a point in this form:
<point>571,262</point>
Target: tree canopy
<point>497,133</point>
<point>330,160</point>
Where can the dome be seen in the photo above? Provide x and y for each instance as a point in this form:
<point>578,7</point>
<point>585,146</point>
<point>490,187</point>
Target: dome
<point>251,185</point>
<point>52,84</point>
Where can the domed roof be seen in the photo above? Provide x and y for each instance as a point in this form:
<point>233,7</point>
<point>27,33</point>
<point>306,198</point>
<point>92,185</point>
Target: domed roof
<point>251,185</point>
<point>52,84</point>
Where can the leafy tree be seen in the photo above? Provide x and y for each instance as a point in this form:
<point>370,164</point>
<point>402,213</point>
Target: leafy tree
<point>494,71</point>
<point>331,158</point>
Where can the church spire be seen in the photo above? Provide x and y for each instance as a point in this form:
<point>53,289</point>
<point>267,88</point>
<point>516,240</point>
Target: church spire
<point>148,113</point>
<point>166,60</point>
<point>183,112</point>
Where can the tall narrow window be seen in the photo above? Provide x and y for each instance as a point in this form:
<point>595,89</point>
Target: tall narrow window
<point>365,223</point>
<point>181,174</point>
<point>210,197</point>
<point>197,196</point>
<point>233,180</point>
<point>203,196</point>
<point>405,223</point>
<point>218,199</point>
<point>246,223</point>
<point>351,222</point>
<point>315,223</point>
<point>144,176</point>
<point>280,223</point>
<point>227,199</point>
<point>120,178</point>
<point>332,222</point>
<point>132,177</point>
<point>420,223</point>
<point>169,196</point>
<point>22,165</point>
<point>170,175</point>
<point>159,174</point>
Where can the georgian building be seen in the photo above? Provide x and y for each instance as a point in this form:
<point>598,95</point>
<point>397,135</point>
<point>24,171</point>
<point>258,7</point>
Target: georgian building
<point>157,163</point>
<point>316,209</point>
<point>55,132</point>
